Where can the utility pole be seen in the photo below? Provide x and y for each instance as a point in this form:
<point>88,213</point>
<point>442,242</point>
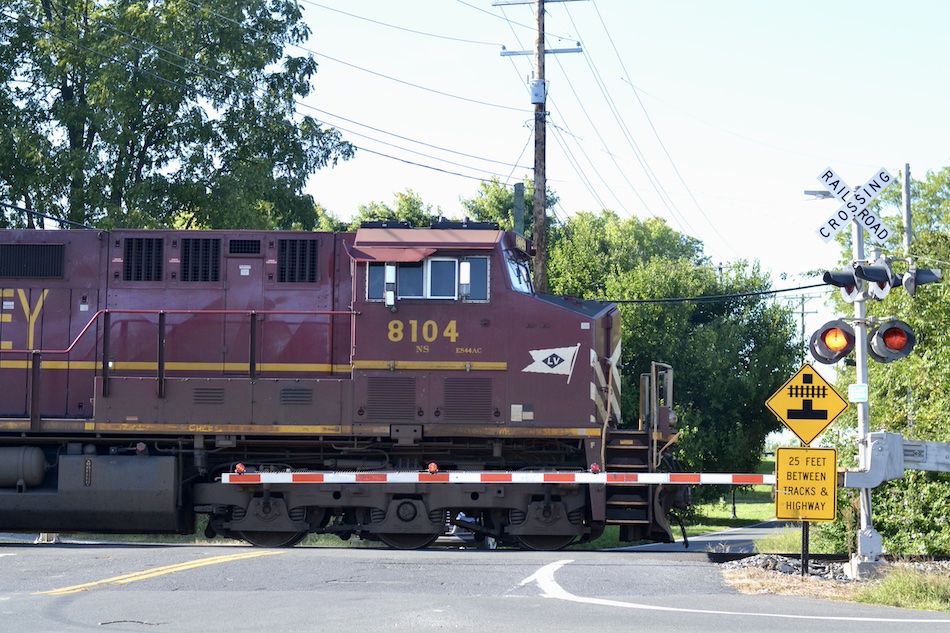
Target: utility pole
<point>803,311</point>
<point>539,95</point>
<point>540,235</point>
<point>908,218</point>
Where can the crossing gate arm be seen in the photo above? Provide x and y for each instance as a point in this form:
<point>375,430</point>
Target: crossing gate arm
<point>402,477</point>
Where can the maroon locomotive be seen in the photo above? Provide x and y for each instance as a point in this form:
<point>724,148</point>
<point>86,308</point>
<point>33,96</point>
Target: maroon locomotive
<point>146,375</point>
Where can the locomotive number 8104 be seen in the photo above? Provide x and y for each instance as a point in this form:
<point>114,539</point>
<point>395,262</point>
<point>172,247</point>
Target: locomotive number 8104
<point>286,383</point>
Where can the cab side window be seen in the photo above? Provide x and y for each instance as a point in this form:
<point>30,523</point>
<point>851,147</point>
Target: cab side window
<point>432,278</point>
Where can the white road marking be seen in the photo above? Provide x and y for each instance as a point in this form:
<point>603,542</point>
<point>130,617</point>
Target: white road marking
<point>550,589</point>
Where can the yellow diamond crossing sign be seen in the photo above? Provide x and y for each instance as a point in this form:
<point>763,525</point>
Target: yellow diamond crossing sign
<point>807,404</point>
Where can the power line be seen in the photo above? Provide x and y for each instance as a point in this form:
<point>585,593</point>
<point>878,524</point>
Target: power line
<point>712,298</point>
<point>638,153</point>
<point>401,28</point>
<point>47,217</point>
<point>412,85</point>
<point>653,128</point>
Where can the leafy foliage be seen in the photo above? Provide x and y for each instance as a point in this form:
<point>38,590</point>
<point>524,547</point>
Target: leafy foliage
<point>160,114</point>
<point>494,202</point>
<point>409,207</point>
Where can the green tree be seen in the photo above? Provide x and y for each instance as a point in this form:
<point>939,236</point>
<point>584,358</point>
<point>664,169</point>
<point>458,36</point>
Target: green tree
<point>730,348</point>
<point>592,248</point>
<point>409,207</point>
<point>494,202</point>
<point>327,220</point>
<point>160,113</point>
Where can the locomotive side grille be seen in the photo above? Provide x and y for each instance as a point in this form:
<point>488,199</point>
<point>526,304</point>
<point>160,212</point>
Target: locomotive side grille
<point>143,259</point>
<point>208,395</point>
<point>244,247</point>
<point>297,261</point>
<point>200,259</point>
<point>391,398</point>
<point>32,260</point>
<point>467,400</point>
<point>292,395</point>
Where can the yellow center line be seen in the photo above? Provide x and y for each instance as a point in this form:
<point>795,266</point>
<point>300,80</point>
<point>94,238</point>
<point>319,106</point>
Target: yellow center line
<point>152,573</point>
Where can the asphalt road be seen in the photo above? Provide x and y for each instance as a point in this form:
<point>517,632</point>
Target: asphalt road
<point>737,541</point>
<point>72,588</point>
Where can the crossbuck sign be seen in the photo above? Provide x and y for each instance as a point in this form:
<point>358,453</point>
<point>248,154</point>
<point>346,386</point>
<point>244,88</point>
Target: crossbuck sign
<point>855,205</point>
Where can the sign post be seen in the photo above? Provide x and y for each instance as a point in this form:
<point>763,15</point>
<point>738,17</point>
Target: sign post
<point>806,488</point>
<point>868,540</point>
<point>806,479</point>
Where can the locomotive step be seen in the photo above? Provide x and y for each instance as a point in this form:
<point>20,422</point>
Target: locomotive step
<point>627,444</point>
<point>627,503</point>
<point>627,516</point>
<point>626,465</point>
<point>620,498</point>
<point>632,441</point>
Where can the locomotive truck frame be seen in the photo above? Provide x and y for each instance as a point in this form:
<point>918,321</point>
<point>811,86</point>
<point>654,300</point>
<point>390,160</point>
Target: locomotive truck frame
<point>382,383</point>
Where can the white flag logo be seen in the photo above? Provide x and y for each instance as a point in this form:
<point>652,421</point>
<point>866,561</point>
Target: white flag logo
<point>559,360</point>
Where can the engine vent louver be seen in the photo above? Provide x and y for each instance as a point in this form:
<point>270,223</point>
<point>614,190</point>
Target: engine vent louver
<point>32,260</point>
<point>244,247</point>
<point>294,395</point>
<point>143,259</point>
<point>208,395</point>
<point>391,398</point>
<point>467,400</point>
<point>296,261</point>
<point>200,259</point>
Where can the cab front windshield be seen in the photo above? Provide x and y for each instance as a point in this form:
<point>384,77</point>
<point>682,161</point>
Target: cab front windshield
<point>519,272</point>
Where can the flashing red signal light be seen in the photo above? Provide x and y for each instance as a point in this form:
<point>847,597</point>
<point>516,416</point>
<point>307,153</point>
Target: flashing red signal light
<point>832,342</point>
<point>895,339</point>
<point>836,339</point>
<point>891,341</point>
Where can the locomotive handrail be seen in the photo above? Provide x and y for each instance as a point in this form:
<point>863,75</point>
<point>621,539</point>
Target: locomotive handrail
<point>57,351</point>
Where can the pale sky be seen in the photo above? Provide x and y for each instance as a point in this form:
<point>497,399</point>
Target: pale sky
<point>715,116</point>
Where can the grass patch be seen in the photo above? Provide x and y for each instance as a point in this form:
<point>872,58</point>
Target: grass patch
<point>741,506</point>
<point>752,505</point>
<point>908,588</point>
<point>787,541</point>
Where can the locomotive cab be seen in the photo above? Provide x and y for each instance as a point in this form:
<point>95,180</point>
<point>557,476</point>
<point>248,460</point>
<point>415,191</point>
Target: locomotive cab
<point>450,338</point>
<point>458,361</point>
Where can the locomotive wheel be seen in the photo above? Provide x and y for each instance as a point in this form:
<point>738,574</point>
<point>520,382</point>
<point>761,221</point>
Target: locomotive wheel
<point>272,539</point>
<point>545,542</point>
<point>408,541</point>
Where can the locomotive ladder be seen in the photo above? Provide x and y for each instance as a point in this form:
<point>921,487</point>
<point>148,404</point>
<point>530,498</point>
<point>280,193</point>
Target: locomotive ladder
<point>628,504</point>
